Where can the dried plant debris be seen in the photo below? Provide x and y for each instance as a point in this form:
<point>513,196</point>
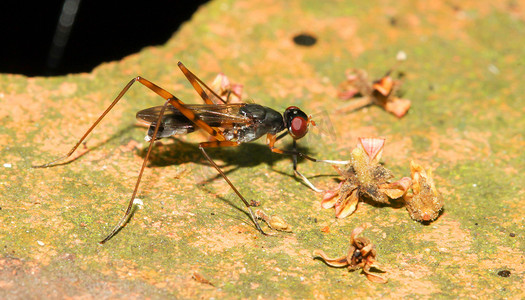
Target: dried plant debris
<point>425,203</point>
<point>231,92</point>
<point>365,178</point>
<point>274,222</point>
<point>382,92</point>
<point>361,255</point>
<point>199,278</point>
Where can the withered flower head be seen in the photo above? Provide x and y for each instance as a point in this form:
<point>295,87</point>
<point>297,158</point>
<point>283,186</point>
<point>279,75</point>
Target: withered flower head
<point>231,92</point>
<point>380,92</point>
<point>425,203</point>
<point>361,255</point>
<point>274,222</point>
<point>364,178</point>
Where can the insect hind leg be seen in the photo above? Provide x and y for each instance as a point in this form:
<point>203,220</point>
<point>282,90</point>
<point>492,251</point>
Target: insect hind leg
<point>202,147</point>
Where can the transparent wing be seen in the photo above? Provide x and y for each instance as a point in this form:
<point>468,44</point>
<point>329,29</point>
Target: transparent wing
<point>220,115</point>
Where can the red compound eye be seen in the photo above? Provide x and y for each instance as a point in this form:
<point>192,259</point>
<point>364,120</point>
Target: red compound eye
<point>296,122</point>
<point>298,127</point>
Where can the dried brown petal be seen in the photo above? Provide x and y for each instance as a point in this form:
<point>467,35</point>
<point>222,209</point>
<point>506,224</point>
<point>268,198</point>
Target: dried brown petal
<point>375,277</point>
<point>367,249</point>
<point>329,200</point>
<point>361,242</point>
<point>384,86</point>
<point>397,106</point>
<point>355,233</point>
<point>329,197</point>
<point>396,189</point>
<point>199,278</point>
<point>372,264</point>
<point>334,262</point>
<point>347,206</point>
<point>419,173</point>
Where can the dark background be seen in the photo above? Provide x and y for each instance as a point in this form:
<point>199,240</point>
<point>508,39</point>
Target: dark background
<point>102,31</point>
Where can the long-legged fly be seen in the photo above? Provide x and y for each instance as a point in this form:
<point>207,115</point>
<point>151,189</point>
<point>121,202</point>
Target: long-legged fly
<point>228,125</point>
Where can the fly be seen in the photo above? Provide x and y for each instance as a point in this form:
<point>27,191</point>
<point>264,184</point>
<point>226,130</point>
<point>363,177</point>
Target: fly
<point>228,124</point>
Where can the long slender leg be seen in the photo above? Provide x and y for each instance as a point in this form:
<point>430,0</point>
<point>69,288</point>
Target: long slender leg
<point>229,144</point>
<point>177,103</point>
<point>294,161</point>
<point>124,220</point>
<point>297,173</point>
<point>194,80</point>
<point>271,139</point>
<point>54,162</point>
<point>171,99</point>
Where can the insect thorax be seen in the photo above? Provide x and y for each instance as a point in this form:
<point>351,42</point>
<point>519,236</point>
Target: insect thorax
<point>263,120</point>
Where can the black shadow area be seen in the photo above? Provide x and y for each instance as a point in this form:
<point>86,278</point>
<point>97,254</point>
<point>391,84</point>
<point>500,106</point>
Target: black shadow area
<point>102,31</point>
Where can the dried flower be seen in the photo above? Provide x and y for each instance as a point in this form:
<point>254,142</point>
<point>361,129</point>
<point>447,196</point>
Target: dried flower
<point>199,278</point>
<point>425,202</point>
<point>231,92</point>
<point>365,178</point>
<point>381,92</point>
<point>361,255</point>
<point>274,222</point>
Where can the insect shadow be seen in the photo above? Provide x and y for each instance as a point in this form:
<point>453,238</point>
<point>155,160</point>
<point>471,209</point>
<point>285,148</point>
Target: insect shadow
<point>180,152</point>
<point>99,144</point>
<point>245,156</point>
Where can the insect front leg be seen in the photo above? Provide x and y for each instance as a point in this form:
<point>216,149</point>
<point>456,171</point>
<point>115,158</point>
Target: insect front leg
<point>270,141</point>
<point>299,174</point>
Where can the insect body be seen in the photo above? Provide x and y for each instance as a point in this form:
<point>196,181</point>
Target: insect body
<point>241,122</point>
